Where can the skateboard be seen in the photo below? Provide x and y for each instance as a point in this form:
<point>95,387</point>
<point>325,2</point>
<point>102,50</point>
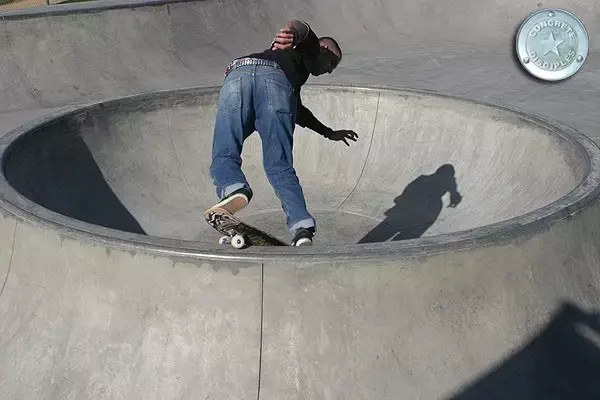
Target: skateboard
<point>238,233</point>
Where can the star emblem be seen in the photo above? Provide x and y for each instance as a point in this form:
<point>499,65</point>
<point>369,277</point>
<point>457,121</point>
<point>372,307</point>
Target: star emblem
<point>551,45</point>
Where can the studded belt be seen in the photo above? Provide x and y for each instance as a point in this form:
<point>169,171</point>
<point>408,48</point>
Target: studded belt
<point>240,62</point>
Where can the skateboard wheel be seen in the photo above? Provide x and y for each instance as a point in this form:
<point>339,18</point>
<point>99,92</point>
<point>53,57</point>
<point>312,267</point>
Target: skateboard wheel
<point>238,241</point>
<point>225,240</point>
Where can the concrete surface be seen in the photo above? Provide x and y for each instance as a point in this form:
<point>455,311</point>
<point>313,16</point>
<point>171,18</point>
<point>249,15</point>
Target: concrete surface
<point>141,165</point>
<point>498,299</point>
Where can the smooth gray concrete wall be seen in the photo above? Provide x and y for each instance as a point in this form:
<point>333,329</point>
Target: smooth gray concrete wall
<point>509,314</point>
<point>452,316</point>
<point>435,326</point>
<point>461,48</point>
<point>86,321</point>
<point>141,165</point>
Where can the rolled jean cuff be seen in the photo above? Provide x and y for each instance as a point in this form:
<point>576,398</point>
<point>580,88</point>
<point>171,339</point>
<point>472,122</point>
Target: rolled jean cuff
<point>227,190</point>
<point>303,223</point>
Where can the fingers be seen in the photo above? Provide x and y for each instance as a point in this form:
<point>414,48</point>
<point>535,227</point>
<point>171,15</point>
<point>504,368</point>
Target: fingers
<point>352,135</point>
<point>283,39</point>
<point>282,44</point>
<point>343,135</point>
<point>285,33</point>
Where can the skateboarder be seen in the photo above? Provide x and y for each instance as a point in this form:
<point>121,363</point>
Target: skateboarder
<point>262,92</point>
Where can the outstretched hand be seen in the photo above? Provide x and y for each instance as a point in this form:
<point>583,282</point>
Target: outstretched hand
<point>455,199</point>
<point>284,39</point>
<point>342,135</point>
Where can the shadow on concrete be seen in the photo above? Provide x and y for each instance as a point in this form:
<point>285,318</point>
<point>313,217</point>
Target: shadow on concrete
<point>55,169</point>
<point>562,362</point>
<point>417,208</point>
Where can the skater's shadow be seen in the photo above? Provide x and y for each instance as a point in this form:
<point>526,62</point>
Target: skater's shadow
<point>417,208</point>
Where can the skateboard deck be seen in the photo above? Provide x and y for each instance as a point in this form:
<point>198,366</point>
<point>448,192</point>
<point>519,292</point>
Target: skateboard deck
<point>238,233</point>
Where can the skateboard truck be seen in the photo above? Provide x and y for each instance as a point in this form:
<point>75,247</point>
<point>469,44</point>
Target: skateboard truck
<point>237,241</point>
<point>238,233</point>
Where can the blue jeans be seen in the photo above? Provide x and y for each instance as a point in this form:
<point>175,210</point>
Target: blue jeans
<point>259,97</point>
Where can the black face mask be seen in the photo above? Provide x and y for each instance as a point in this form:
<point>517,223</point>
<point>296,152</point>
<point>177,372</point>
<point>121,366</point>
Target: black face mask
<point>326,62</point>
